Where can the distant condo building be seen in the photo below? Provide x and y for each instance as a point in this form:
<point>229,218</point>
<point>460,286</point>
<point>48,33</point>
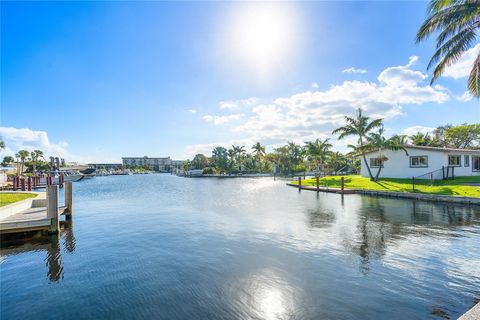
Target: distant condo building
<point>158,164</point>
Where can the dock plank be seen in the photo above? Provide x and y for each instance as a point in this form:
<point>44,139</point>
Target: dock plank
<point>28,220</point>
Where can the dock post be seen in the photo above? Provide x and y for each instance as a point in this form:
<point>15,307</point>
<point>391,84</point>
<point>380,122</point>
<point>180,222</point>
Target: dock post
<point>14,183</point>
<point>299,183</point>
<point>29,184</point>
<point>23,184</point>
<point>60,180</point>
<point>318,183</point>
<point>68,200</point>
<point>342,184</point>
<point>52,209</point>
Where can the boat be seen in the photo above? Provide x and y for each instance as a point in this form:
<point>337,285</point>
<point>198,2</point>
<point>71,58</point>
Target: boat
<point>195,173</point>
<point>68,175</point>
<point>88,173</point>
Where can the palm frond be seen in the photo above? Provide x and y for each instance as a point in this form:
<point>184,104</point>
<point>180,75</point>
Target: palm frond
<point>455,46</point>
<point>474,78</point>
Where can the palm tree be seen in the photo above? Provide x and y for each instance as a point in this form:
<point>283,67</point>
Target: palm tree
<point>336,161</point>
<point>359,126</point>
<point>2,144</point>
<point>35,155</point>
<point>377,141</point>
<point>238,152</point>
<point>258,150</point>
<point>23,156</point>
<point>458,22</point>
<point>420,139</point>
<point>317,152</point>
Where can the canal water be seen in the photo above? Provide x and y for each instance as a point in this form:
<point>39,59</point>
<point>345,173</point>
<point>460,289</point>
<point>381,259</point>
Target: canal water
<point>164,247</point>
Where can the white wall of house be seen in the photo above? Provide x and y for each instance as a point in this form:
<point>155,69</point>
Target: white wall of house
<point>398,163</point>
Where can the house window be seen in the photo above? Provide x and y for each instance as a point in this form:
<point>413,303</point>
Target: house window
<point>475,163</point>
<point>466,160</point>
<point>376,162</point>
<point>419,161</point>
<point>454,161</point>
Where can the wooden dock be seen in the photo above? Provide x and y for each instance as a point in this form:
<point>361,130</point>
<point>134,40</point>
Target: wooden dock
<point>319,188</point>
<point>46,218</point>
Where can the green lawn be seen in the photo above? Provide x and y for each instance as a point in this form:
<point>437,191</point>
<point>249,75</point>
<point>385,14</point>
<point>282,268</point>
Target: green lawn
<point>457,187</point>
<point>8,198</point>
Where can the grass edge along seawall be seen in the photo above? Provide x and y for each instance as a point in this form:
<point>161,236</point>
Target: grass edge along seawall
<point>7,198</point>
<point>458,188</point>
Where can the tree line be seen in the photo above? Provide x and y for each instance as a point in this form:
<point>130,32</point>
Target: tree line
<point>317,156</point>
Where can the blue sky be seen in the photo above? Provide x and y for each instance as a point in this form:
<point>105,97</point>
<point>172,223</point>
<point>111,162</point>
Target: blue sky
<point>95,81</point>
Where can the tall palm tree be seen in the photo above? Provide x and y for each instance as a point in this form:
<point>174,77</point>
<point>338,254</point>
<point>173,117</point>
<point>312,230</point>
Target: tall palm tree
<point>258,150</point>
<point>359,126</point>
<point>317,151</point>
<point>2,144</point>
<point>238,152</point>
<point>377,141</point>
<point>35,155</point>
<point>458,24</point>
<point>22,155</point>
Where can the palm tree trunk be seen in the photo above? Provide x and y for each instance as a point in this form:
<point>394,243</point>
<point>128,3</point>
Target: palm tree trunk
<point>378,173</point>
<point>368,168</point>
<point>365,160</point>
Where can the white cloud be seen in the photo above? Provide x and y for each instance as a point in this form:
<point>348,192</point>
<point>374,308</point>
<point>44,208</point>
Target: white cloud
<point>235,104</point>
<point>192,110</point>
<point>412,61</point>
<point>315,85</point>
<point>402,75</point>
<point>218,120</point>
<point>314,114</point>
<point>464,65</point>
<point>465,97</point>
<point>416,129</point>
<point>24,138</point>
<point>354,70</point>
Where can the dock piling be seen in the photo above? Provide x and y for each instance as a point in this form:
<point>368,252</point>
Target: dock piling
<point>68,200</point>
<point>342,184</point>
<point>52,209</point>
<point>299,183</point>
<point>318,184</point>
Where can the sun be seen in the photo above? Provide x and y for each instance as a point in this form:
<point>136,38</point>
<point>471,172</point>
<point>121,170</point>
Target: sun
<point>263,34</point>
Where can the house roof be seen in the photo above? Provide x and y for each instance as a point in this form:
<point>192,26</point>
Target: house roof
<point>439,149</point>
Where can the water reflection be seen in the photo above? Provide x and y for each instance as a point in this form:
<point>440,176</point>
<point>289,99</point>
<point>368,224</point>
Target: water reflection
<point>54,259</point>
<point>266,295</point>
<point>368,226</point>
<point>162,247</point>
<point>50,244</point>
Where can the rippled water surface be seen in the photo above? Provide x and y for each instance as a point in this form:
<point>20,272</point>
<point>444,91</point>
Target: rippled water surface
<point>164,247</point>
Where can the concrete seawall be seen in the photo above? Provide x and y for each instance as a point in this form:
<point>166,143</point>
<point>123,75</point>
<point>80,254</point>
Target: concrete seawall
<point>392,194</point>
<point>472,314</point>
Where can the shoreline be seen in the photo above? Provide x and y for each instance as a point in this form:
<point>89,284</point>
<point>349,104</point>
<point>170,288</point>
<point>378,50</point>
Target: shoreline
<point>395,194</point>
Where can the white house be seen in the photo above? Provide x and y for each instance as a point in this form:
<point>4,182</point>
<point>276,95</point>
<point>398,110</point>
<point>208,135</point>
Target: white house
<point>421,160</point>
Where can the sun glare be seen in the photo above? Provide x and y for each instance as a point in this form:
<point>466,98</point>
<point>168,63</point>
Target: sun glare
<point>263,34</point>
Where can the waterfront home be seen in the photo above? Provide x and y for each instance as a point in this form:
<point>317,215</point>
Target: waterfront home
<point>423,162</point>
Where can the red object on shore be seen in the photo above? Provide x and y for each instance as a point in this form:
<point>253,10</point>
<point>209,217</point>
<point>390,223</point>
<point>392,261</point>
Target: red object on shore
<point>60,180</point>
